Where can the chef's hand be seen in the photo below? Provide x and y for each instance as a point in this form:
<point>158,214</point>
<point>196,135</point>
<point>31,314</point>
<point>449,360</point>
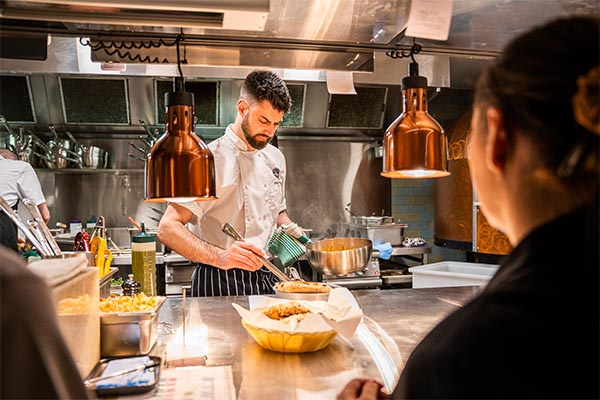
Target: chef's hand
<point>362,389</point>
<point>293,230</point>
<point>240,255</point>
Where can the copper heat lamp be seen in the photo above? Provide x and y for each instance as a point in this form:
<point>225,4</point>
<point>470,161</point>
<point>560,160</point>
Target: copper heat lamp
<point>180,166</point>
<point>415,145</point>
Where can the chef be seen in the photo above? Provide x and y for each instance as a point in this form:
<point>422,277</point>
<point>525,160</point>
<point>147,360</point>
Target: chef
<point>18,181</point>
<point>250,183</point>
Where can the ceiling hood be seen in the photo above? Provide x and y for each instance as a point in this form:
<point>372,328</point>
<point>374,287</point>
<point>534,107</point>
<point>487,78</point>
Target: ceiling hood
<point>344,35</point>
<point>225,14</point>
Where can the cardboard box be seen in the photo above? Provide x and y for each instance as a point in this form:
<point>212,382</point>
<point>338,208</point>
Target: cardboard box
<point>451,273</point>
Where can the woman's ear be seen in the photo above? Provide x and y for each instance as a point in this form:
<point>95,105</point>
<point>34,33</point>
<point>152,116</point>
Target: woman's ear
<point>497,147</point>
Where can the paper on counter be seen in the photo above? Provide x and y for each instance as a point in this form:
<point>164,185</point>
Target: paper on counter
<point>191,383</point>
<point>340,313</point>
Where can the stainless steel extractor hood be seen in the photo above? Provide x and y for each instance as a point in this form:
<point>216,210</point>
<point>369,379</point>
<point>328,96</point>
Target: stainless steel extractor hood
<point>224,14</point>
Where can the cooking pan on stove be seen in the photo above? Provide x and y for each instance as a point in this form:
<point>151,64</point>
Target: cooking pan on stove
<point>339,256</point>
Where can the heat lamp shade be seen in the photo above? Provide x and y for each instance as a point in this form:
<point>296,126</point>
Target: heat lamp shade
<point>415,146</point>
<point>180,168</point>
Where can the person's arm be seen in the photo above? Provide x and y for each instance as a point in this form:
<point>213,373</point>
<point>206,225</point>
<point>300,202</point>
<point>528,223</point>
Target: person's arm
<point>44,211</point>
<point>174,234</point>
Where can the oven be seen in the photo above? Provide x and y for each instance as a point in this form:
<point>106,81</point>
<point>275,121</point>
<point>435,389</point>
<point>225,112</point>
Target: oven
<point>178,275</point>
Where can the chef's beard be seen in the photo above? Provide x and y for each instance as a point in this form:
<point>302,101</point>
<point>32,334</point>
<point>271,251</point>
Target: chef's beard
<point>251,139</point>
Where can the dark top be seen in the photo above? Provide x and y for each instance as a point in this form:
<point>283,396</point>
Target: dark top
<point>35,361</point>
<point>531,333</point>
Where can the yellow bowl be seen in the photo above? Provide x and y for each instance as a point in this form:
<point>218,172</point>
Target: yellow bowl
<point>286,342</point>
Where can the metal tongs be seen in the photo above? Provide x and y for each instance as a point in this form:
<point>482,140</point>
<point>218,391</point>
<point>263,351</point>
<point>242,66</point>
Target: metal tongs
<point>231,232</point>
<point>32,230</point>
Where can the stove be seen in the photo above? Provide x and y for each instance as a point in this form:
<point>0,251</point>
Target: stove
<point>370,278</point>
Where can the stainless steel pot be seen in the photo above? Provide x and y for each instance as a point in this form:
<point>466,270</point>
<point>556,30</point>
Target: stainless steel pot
<point>94,157</point>
<point>391,233</point>
<point>372,221</point>
<point>61,154</point>
<point>90,156</point>
<point>339,256</point>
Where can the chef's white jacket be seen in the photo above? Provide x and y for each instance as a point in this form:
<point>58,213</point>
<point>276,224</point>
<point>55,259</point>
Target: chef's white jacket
<point>250,186</point>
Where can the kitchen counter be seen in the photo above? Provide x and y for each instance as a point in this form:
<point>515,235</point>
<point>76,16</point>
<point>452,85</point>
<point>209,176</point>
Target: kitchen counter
<point>395,320</point>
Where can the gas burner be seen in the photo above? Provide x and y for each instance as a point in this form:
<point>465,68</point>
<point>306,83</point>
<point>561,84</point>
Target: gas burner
<point>370,278</point>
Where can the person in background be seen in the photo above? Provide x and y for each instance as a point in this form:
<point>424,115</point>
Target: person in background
<point>250,183</point>
<point>35,362</point>
<point>533,331</point>
<point>18,181</point>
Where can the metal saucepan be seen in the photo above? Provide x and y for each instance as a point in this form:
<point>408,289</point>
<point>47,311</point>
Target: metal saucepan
<point>91,156</point>
<point>339,256</point>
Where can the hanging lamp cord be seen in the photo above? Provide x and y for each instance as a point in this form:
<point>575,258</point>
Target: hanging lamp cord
<point>397,53</point>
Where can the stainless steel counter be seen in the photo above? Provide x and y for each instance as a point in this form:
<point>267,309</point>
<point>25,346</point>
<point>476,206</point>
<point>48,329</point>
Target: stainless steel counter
<point>395,320</point>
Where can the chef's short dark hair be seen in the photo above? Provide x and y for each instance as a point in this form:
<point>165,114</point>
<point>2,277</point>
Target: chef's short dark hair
<point>266,85</point>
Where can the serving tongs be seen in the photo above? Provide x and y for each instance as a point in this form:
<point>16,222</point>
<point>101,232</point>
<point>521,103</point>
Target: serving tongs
<point>43,228</point>
<point>231,232</point>
<point>23,227</point>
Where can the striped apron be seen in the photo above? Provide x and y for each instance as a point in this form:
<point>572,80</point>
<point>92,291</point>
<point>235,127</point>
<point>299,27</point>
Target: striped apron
<point>211,281</point>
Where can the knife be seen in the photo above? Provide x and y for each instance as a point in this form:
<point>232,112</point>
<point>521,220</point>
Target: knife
<point>231,232</point>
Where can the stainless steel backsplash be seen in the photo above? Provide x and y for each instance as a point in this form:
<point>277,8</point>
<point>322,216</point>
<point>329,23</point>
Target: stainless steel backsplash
<point>323,176</point>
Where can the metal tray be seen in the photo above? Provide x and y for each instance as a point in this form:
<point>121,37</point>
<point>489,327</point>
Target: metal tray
<point>105,388</point>
<point>129,333</point>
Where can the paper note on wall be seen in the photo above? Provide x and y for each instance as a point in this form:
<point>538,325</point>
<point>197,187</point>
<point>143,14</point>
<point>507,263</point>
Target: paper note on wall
<point>429,19</point>
<point>340,82</point>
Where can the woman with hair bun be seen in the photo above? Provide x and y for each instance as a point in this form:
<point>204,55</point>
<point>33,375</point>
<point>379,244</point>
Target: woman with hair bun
<point>533,332</point>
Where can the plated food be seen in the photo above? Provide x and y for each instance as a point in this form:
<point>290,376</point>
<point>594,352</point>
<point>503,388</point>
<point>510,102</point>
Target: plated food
<point>298,286</point>
<point>293,337</point>
<point>286,312</point>
<point>302,290</point>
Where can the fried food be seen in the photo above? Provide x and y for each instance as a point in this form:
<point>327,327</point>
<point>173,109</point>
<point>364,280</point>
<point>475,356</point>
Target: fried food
<point>78,305</point>
<point>139,302</point>
<point>302,287</point>
<point>285,312</point>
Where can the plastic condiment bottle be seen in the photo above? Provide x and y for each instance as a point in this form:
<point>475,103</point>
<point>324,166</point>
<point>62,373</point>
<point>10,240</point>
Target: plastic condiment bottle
<point>143,261</point>
<point>91,224</point>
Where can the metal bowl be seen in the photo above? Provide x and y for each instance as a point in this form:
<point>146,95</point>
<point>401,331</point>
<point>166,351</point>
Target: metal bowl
<point>339,256</point>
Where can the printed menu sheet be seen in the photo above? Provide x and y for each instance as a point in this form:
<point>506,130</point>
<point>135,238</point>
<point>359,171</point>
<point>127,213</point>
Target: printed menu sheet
<point>194,383</point>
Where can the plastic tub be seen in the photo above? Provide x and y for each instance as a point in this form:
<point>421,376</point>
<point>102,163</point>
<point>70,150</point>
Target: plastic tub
<point>451,273</point>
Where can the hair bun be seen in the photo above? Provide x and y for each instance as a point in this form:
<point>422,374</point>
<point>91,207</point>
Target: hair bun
<point>586,102</point>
